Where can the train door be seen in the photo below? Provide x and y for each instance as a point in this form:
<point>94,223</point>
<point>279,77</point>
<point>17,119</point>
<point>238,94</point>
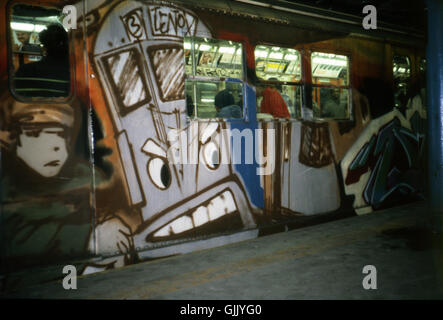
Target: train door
<point>46,177</point>
<point>305,179</point>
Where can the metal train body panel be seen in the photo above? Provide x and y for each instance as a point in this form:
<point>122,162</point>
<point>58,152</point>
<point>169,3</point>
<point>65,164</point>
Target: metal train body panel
<point>128,124</point>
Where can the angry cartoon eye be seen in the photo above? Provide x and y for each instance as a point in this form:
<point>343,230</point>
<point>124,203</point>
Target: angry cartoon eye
<point>158,171</point>
<point>212,155</point>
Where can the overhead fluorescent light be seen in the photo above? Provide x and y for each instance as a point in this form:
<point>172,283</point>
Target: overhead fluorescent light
<point>291,57</point>
<point>276,55</point>
<point>330,62</point>
<point>204,47</point>
<point>29,27</point>
<point>227,50</point>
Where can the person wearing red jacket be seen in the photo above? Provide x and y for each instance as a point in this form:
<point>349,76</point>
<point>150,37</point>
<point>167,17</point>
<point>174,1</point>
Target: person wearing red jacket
<point>272,102</point>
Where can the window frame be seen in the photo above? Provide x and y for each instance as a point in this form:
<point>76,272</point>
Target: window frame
<point>300,83</point>
<point>194,78</point>
<point>10,53</point>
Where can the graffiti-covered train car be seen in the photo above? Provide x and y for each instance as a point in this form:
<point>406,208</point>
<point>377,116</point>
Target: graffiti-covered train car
<point>134,130</point>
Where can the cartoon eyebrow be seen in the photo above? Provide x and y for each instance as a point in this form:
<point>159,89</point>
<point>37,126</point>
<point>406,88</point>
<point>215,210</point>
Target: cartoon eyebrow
<point>153,149</point>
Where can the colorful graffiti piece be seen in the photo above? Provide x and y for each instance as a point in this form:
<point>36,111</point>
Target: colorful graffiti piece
<point>388,161</point>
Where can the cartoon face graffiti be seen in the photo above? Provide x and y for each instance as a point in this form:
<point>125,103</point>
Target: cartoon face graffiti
<point>139,55</point>
<point>43,149</point>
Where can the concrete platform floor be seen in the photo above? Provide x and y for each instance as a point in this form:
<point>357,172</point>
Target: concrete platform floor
<point>319,262</point>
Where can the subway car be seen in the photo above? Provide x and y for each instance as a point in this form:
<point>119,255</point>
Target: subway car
<point>136,130</point>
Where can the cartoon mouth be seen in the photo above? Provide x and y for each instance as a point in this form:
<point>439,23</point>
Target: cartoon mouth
<point>54,163</point>
<point>216,208</point>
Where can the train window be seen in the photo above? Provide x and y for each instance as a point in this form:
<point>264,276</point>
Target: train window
<point>401,68</point>
<point>39,47</point>
<point>213,73</point>
<point>280,71</point>
<point>283,64</point>
<point>213,58</point>
<point>204,96</point>
<point>330,86</point>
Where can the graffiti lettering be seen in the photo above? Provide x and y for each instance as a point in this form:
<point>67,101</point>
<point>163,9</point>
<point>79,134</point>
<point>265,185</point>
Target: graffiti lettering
<point>387,174</point>
<point>134,24</point>
<point>167,21</point>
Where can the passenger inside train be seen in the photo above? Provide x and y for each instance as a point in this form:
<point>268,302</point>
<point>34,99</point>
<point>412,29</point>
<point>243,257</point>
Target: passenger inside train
<point>24,44</point>
<point>280,98</point>
<point>330,85</point>
<point>50,76</point>
<point>272,102</point>
<point>333,106</point>
<point>283,94</point>
<point>225,105</point>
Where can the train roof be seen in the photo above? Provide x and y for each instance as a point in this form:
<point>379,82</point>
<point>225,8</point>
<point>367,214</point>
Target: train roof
<point>309,17</point>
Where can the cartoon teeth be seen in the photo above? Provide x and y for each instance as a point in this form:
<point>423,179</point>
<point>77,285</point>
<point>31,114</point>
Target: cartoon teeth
<point>217,207</point>
<point>200,216</point>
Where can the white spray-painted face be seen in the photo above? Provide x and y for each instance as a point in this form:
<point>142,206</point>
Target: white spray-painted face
<point>43,150</point>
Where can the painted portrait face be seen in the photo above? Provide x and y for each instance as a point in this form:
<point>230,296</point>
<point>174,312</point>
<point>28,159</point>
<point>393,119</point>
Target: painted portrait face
<point>43,149</point>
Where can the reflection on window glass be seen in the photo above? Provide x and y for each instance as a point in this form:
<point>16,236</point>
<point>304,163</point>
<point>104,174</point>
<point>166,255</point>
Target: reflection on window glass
<point>40,52</point>
<point>283,64</point>
<point>127,81</point>
<point>214,99</point>
<point>168,67</point>
<point>330,102</point>
<point>213,58</point>
<point>330,80</point>
<point>402,74</point>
